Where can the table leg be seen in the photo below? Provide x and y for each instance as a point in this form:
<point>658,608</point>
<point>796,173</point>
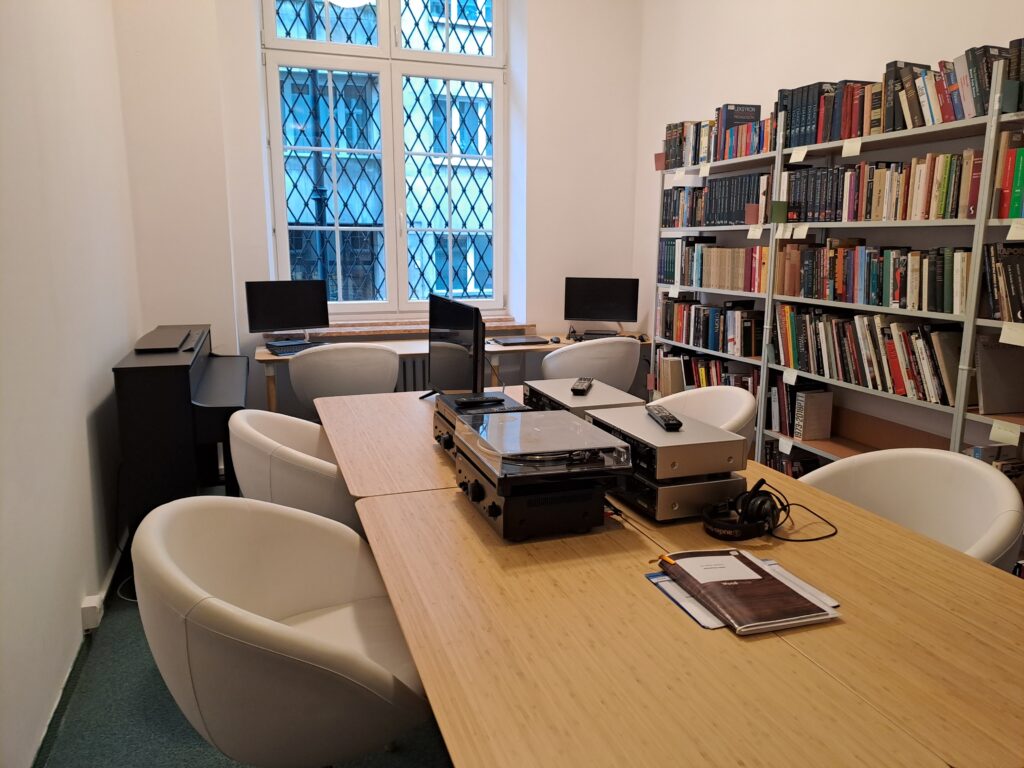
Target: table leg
<point>271,376</point>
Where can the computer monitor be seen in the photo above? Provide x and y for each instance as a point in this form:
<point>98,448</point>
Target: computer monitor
<point>610,299</point>
<point>286,305</point>
<point>455,361</point>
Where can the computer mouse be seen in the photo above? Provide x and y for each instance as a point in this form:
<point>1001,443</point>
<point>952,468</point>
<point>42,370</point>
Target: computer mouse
<point>555,340</point>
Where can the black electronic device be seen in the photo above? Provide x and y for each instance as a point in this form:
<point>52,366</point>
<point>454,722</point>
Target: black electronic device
<point>291,346</point>
<point>469,401</point>
<point>751,514</point>
<point>518,341</point>
<point>555,340</point>
<point>455,360</point>
<point>664,418</point>
<point>286,305</point>
<point>611,299</point>
<point>582,385</point>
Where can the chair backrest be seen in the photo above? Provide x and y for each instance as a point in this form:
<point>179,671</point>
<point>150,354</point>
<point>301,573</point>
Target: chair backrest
<point>730,408</point>
<point>343,369</point>
<point>289,461</point>
<point>612,361</point>
<point>947,496</point>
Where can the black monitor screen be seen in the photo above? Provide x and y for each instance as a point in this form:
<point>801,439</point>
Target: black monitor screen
<point>612,299</point>
<point>285,305</point>
<point>456,356</point>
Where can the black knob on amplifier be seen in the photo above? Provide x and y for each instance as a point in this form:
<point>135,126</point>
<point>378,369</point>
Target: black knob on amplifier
<point>493,510</point>
<point>476,491</point>
<point>446,441</point>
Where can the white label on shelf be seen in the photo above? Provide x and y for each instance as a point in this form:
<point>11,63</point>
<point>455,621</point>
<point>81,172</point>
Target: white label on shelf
<point>798,155</point>
<point>1004,432</point>
<point>673,292</point>
<point>789,376</point>
<point>670,180</point>
<point>705,169</point>
<point>784,231</point>
<point>755,232</point>
<point>1016,230</point>
<point>1012,333</point>
<point>851,147</point>
<point>800,231</point>
<point>785,445</point>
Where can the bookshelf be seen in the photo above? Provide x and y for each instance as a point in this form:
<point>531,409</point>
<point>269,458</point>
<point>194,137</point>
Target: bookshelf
<point>861,432</point>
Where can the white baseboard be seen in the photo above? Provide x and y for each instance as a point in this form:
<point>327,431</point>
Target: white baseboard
<point>92,605</point>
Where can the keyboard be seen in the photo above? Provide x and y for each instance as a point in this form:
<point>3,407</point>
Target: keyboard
<point>519,341</point>
<point>289,348</point>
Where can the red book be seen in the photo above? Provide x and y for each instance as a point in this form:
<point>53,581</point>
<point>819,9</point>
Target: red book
<point>975,188</point>
<point>821,119</point>
<point>894,367</point>
<point>1004,193</point>
<point>857,113</point>
<point>844,124</point>
<point>945,105</point>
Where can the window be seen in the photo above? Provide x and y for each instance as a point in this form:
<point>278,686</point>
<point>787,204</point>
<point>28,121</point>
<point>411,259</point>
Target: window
<point>387,149</point>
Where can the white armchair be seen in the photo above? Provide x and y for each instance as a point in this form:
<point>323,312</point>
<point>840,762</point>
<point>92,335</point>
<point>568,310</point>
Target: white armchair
<point>952,498</point>
<point>273,631</point>
<point>612,361</point>
<point>343,369</point>
<point>289,461</point>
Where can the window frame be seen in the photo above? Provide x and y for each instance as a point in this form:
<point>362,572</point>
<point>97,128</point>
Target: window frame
<point>498,170</point>
<point>391,63</point>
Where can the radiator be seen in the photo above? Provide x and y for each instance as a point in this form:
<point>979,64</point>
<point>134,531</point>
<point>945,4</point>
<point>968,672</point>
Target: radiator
<point>412,374</point>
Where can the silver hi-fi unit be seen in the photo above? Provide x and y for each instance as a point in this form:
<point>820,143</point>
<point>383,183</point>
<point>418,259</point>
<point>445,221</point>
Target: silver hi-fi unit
<point>538,473</point>
<point>448,409</point>
<point>675,474</point>
<point>556,394</point>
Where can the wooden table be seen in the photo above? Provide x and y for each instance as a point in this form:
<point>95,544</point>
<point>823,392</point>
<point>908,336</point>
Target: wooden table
<point>406,348</point>
<point>558,651</point>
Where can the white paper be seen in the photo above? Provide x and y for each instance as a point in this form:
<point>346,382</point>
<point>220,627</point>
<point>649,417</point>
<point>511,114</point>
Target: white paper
<point>670,181</point>
<point>673,292</point>
<point>1016,230</point>
<point>784,231</point>
<point>1004,432</point>
<point>687,602</point>
<point>755,232</point>
<point>785,445</point>
<point>705,169</point>
<point>789,376</point>
<point>800,231</point>
<point>798,155</point>
<point>712,568</point>
<point>1012,333</point>
<point>851,147</point>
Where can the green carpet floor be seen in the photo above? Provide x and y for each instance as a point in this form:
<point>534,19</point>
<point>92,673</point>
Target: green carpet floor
<point>117,711</point>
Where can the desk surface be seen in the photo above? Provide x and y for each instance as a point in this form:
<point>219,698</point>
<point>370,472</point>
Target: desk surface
<point>418,348</point>
<point>558,651</point>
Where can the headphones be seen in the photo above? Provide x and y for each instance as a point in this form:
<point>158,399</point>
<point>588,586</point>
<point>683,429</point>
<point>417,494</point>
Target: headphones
<point>751,514</point>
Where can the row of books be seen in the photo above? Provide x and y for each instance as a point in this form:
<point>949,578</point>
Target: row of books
<point>936,186</point>
<point>667,250</point>
<point>873,351</point>
<point>731,269</point>
<point>735,328</point>
<point>847,270</point>
<point>1003,282</point>
<point>802,410</point>
<point>908,96</point>
<point>677,373</point>
<point>795,464</point>
<point>1008,200</point>
<point>736,131</point>
<point>741,199</point>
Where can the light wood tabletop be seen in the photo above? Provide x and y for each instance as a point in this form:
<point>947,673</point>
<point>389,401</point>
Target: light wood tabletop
<point>559,652</point>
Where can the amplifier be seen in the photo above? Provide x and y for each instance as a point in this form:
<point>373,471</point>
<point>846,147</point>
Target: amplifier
<point>676,500</point>
<point>555,395</point>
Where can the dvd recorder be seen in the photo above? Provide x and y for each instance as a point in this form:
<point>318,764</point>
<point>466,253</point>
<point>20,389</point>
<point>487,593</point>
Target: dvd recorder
<point>556,394</point>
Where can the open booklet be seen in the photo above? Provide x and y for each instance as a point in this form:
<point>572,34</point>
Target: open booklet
<point>733,588</point>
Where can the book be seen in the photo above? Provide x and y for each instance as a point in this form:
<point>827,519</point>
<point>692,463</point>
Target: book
<point>738,589</point>
<point>1000,371</point>
<point>813,415</point>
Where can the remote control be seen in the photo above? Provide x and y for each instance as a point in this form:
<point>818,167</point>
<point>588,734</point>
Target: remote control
<point>464,402</point>
<point>582,385</point>
<point>665,418</point>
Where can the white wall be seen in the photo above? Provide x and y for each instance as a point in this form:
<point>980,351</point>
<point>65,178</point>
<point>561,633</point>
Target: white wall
<point>69,310</point>
<point>696,56</point>
<point>583,69</point>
